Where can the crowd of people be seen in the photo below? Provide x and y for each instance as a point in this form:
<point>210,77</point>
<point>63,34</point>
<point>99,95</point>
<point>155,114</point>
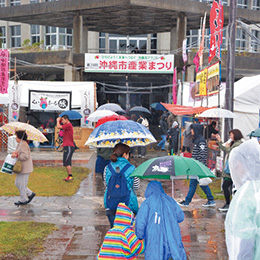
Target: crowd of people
<point>154,227</point>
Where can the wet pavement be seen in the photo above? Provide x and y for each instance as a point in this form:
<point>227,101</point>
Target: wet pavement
<point>82,222</point>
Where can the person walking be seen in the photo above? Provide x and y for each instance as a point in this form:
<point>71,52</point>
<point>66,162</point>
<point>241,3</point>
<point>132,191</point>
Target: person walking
<point>199,153</point>
<point>157,223</point>
<point>120,241</point>
<point>242,222</point>
<point>119,166</point>
<point>173,135</point>
<point>103,159</point>
<point>68,144</point>
<point>235,140</point>
<point>23,154</point>
<point>145,123</point>
<point>187,138</point>
<point>163,128</point>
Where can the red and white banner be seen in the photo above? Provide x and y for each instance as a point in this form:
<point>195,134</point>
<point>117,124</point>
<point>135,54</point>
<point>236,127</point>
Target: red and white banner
<point>129,63</point>
<point>4,70</point>
<point>216,20</point>
<point>184,51</point>
<point>200,53</point>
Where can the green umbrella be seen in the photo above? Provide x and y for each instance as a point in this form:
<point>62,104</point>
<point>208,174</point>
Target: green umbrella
<point>172,167</point>
<point>255,133</point>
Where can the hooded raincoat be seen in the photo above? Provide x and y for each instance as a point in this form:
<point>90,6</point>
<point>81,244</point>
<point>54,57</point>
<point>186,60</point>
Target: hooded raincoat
<point>157,222</point>
<point>242,222</point>
<point>120,241</point>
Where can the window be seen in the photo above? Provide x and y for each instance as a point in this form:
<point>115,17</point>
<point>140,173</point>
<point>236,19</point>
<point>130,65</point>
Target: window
<point>15,36</point>
<point>58,37</point>
<point>2,3</point>
<point>254,43</point>
<point>256,4</point>
<point>15,2</point>
<point>35,33</point>
<point>192,38</point>
<point>242,3</point>
<point>102,42</point>
<point>240,40</point>
<point>34,1</point>
<point>154,43</point>
<point>50,36</point>
<point>2,37</point>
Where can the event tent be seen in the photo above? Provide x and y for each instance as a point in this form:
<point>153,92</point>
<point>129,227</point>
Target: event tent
<point>246,102</point>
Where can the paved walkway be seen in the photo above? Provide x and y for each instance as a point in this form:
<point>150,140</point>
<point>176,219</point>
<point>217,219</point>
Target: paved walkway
<point>82,222</point>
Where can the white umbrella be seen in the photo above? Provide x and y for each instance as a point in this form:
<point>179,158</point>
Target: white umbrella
<point>218,113</point>
<point>112,107</point>
<point>95,116</point>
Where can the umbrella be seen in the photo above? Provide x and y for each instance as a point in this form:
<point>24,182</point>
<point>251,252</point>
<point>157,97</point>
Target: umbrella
<point>139,109</point>
<point>255,133</point>
<point>172,167</point>
<point>73,115</point>
<point>121,131</point>
<point>218,113</point>
<point>158,106</point>
<point>110,118</point>
<point>95,116</point>
<point>32,132</point>
<point>112,107</point>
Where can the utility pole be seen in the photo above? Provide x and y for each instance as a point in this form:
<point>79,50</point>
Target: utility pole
<point>229,96</point>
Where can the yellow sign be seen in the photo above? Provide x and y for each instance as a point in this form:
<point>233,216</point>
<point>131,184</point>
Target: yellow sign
<point>213,79</point>
<point>201,83</point>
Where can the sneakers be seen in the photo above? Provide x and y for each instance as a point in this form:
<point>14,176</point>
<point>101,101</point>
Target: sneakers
<point>210,203</point>
<point>139,155</point>
<point>69,178</point>
<point>31,197</point>
<point>224,208</point>
<point>19,203</point>
<point>143,156</point>
<point>183,203</point>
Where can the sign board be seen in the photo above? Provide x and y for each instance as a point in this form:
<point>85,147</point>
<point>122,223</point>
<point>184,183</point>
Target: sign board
<point>4,67</point>
<point>49,101</point>
<point>129,63</point>
<point>14,103</point>
<point>201,83</point>
<point>213,79</point>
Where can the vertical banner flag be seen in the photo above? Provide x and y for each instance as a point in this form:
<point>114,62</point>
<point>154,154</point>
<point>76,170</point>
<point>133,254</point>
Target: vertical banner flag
<point>184,51</point>
<point>87,105</point>
<point>200,53</point>
<point>216,20</point>
<point>201,83</point>
<point>196,61</point>
<point>4,62</point>
<point>174,86</point>
<point>14,104</point>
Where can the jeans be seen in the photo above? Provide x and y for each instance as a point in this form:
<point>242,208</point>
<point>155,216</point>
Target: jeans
<point>192,189</point>
<point>162,143</point>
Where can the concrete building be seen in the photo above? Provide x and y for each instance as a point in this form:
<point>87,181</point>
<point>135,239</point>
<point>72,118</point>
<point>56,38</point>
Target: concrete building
<point>117,26</point>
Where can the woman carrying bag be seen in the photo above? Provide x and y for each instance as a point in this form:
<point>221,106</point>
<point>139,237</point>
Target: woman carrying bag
<point>23,155</point>
<point>234,141</point>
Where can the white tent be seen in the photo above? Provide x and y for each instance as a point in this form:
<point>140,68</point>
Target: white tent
<point>246,102</point>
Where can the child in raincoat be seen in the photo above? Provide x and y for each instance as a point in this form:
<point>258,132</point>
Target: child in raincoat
<point>120,241</point>
<point>242,222</point>
<point>157,222</point>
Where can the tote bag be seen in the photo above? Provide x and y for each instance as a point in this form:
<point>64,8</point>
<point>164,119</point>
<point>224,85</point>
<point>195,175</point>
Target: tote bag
<point>8,164</point>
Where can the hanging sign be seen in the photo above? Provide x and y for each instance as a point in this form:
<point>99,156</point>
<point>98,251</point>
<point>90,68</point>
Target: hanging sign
<point>4,70</point>
<point>213,79</point>
<point>201,83</point>
<point>49,100</point>
<point>14,104</point>
<point>129,63</point>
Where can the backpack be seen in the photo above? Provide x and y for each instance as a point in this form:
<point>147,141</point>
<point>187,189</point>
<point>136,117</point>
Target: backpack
<point>117,190</point>
<point>145,122</point>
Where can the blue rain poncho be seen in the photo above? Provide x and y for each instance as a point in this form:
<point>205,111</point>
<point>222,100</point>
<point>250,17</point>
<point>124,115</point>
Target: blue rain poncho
<point>157,222</point>
<point>242,222</point>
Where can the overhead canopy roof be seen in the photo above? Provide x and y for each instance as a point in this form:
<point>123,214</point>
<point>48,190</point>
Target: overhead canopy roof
<point>127,17</point>
<point>184,110</point>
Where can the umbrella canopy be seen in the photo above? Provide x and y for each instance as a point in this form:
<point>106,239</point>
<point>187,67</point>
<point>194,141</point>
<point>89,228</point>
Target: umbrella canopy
<point>32,132</point>
<point>139,109</point>
<point>218,113</point>
<point>158,106</point>
<point>95,116</point>
<point>73,115</point>
<point>255,133</point>
<point>110,118</point>
<point>168,167</point>
<point>112,107</point>
<point>128,132</point>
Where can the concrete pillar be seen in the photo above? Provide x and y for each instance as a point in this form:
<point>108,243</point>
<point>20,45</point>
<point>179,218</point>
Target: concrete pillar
<point>42,31</point>
<point>68,73</point>
<point>85,40</point>
<point>77,33</point>
<point>190,73</point>
<point>178,33</point>
<point>107,43</point>
<point>8,36</point>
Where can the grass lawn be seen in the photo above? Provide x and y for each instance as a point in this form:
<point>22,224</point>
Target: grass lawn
<point>22,240</point>
<point>215,188</point>
<point>46,181</point>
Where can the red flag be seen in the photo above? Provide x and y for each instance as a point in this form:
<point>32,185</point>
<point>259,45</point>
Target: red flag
<point>216,26</point>
<point>196,61</point>
<point>174,86</point>
<point>200,52</point>
<point>4,58</point>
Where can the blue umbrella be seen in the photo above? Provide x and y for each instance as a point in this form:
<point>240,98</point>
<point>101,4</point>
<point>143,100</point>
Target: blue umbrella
<point>158,106</point>
<point>121,131</point>
<point>73,115</point>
